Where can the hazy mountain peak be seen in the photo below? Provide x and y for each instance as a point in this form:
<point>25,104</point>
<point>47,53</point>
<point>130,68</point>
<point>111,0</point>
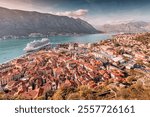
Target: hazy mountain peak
<point>129,27</point>
<point>23,23</point>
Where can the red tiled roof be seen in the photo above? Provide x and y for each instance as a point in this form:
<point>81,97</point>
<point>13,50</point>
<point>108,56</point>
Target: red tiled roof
<point>102,72</point>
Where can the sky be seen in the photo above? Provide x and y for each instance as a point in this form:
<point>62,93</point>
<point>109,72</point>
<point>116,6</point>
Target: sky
<point>96,12</point>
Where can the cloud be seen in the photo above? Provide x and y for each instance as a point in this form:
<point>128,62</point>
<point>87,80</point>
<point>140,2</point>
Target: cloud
<point>80,13</point>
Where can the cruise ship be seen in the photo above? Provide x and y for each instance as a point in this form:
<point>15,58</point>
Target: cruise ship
<point>37,45</point>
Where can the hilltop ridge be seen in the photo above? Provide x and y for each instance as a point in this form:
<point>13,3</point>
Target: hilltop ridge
<point>23,23</point>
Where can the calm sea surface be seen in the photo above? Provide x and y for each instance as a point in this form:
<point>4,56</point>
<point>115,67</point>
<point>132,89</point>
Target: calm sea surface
<point>10,49</point>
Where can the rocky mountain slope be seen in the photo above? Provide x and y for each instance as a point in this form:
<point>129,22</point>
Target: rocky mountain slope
<point>131,27</point>
<point>23,23</point>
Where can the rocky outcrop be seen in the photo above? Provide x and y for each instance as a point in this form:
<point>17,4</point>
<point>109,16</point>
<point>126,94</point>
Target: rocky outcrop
<point>23,23</point>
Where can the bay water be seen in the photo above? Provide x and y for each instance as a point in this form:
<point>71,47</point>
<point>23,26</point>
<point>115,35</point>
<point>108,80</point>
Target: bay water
<point>12,48</point>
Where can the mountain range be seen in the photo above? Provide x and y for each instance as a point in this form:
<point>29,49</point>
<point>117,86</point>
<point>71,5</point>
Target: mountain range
<point>23,23</point>
<point>130,27</point>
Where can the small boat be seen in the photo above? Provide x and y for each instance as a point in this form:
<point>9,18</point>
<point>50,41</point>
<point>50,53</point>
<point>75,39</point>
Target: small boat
<point>37,45</point>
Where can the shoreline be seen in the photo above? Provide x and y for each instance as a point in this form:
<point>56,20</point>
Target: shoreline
<point>13,59</point>
<point>55,44</point>
<point>44,36</point>
<point>58,44</point>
